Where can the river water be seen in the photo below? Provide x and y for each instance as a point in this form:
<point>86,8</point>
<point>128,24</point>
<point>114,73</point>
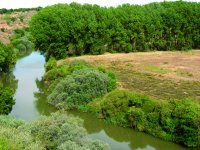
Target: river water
<point>31,103</point>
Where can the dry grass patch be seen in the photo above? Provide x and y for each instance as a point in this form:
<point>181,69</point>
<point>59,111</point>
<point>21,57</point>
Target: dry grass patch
<point>163,75</point>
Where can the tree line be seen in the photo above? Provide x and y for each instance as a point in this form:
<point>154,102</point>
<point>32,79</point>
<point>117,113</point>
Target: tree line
<point>172,120</point>
<point>76,29</point>
<point>9,11</point>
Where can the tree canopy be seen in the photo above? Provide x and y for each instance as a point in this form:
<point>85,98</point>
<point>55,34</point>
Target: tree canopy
<point>7,57</point>
<point>75,29</point>
<point>7,61</point>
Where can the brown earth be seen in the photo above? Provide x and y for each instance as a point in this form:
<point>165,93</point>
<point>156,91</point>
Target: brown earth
<point>9,26</point>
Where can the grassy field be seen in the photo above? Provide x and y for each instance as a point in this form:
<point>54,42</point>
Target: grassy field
<point>162,75</point>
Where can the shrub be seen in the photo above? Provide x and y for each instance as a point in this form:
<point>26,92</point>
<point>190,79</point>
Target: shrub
<point>137,118</point>
<point>7,57</point>
<point>21,47</point>
<point>9,121</point>
<point>4,144</point>
<point>56,73</point>
<point>79,88</point>
<point>112,78</point>
<point>114,107</point>
<point>6,100</point>
<point>61,131</point>
<point>3,29</point>
<point>16,139</point>
<point>13,19</point>
<point>185,114</point>
<point>58,131</point>
<point>21,18</point>
<point>78,65</point>
<point>51,64</point>
<point>176,120</point>
<point>22,41</point>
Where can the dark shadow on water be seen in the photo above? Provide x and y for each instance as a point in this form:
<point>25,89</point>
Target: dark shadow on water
<point>41,100</point>
<point>123,138</point>
<point>8,80</point>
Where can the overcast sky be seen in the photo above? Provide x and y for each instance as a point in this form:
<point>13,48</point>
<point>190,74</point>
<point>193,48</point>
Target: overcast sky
<point>36,3</point>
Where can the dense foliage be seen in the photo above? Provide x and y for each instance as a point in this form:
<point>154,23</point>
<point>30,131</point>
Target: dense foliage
<point>58,131</point>
<point>75,29</point>
<point>22,42</point>
<point>6,100</point>
<point>79,88</point>
<point>7,57</point>
<point>77,83</point>
<point>7,61</point>
<point>175,120</point>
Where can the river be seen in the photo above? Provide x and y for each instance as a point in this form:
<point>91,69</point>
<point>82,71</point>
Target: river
<point>31,103</point>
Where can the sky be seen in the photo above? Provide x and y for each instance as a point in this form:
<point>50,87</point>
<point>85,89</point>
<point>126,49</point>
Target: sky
<point>35,3</point>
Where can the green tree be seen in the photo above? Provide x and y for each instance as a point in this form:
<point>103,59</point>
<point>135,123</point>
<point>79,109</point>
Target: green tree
<point>7,57</point>
<point>75,29</point>
<point>6,100</point>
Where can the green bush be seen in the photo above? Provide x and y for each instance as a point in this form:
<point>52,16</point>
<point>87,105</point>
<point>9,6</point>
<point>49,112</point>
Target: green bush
<point>61,131</point>
<point>21,18</point>
<point>175,120</point>
<point>186,113</point>
<point>21,47</point>
<point>112,78</point>
<point>4,144</point>
<point>78,65</point>
<point>7,57</point>
<point>11,138</point>
<point>51,64</point>
<point>21,32</point>
<point>58,131</point>
<point>22,40</point>
<point>137,118</point>
<point>3,29</point>
<point>13,19</point>
<point>6,100</point>
<point>9,121</point>
<point>114,107</point>
<point>56,73</point>
<point>79,88</point>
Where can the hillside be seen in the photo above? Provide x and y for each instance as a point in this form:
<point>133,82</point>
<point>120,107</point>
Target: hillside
<point>10,22</point>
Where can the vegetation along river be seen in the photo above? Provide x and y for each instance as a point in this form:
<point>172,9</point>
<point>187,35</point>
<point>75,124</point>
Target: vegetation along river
<point>31,103</point>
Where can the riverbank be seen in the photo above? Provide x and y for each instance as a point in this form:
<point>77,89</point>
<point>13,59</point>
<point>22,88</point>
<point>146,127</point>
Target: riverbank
<point>117,137</point>
<point>124,108</point>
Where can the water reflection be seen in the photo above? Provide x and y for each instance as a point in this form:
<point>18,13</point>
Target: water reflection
<point>8,80</point>
<point>123,138</point>
<point>41,100</point>
<point>26,71</point>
